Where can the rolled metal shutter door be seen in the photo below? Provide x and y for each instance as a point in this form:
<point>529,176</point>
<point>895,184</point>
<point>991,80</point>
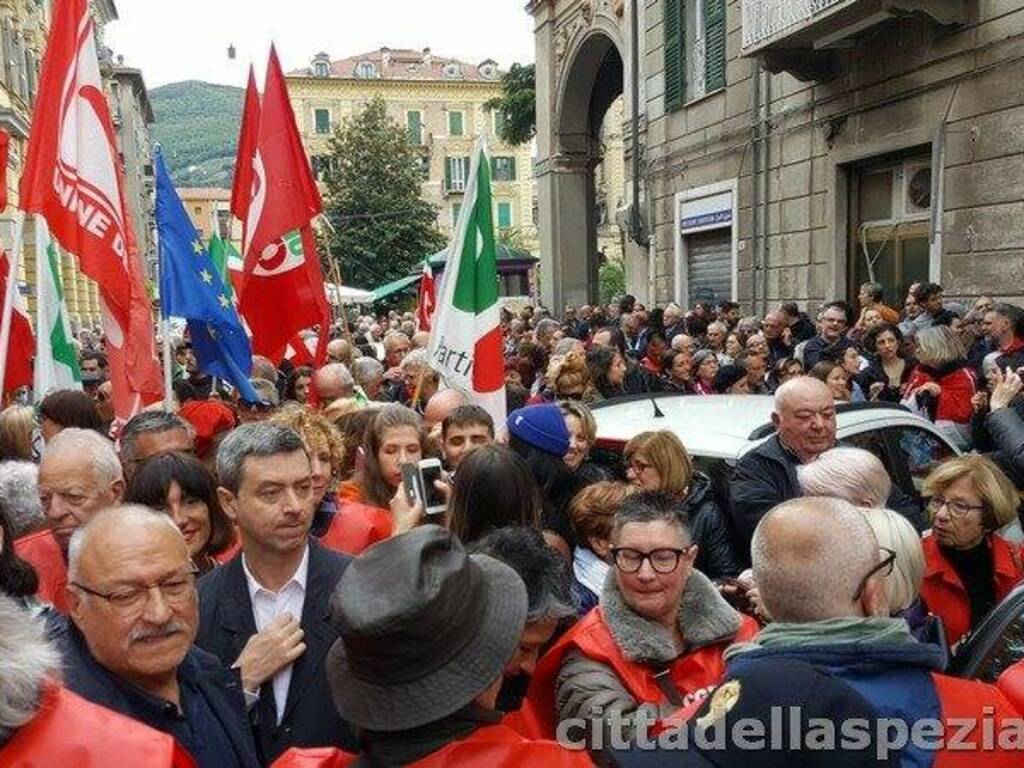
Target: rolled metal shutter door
<point>709,265</point>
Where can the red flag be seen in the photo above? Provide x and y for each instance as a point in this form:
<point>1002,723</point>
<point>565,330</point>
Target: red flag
<point>21,347</point>
<point>427,301</point>
<point>73,177</point>
<point>282,287</point>
<point>241,189</point>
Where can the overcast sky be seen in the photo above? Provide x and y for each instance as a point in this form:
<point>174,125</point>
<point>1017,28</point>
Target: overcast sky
<point>172,40</point>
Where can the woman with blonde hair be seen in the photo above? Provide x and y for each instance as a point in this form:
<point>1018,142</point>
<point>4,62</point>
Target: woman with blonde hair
<point>582,433</point>
<point>897,536</point>
<point>568,378</point>
<point>16,423</point>
<point>658,461</point>
<point>943,383</point>
<point>969,566</point>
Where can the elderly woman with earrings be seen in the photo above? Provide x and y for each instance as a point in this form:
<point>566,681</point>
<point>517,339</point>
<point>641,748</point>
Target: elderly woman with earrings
<point>969,567</point>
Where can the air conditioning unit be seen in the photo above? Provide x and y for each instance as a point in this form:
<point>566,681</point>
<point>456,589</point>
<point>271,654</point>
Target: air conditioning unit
<point>913,185</point>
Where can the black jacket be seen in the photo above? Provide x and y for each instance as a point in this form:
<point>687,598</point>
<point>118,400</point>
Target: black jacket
<point>1006,428</point>
<point>818,349</point>
<point>716,550</point>
<point>200,671</point>
<point>875,374</point>
<point>764,477</point>
<point>226,623</point>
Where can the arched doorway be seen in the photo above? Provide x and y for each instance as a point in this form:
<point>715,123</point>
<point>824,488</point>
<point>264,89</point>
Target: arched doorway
<point>573,209</point>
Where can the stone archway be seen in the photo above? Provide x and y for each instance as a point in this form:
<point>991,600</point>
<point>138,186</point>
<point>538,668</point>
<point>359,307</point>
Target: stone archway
<point>579,75</point>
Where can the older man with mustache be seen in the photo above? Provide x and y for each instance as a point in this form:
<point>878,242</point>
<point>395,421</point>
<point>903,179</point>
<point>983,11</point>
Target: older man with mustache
<point>128,643</point>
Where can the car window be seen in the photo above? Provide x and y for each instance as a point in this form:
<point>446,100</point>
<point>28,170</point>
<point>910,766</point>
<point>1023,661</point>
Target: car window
<point>922,449</point>
<point>873,441</point>
<point>1006,651</point>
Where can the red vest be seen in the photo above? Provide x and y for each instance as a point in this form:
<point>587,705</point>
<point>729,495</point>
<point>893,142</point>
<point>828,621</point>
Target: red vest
<point>692,673</point>
<point>42,552</point>
<point>495,746</point>
<point>356,526</point>
<point>71,732</point>
<point>945,595</point>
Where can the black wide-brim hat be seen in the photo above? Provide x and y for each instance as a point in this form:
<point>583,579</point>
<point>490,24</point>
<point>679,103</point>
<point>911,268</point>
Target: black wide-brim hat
<point>477,638</point>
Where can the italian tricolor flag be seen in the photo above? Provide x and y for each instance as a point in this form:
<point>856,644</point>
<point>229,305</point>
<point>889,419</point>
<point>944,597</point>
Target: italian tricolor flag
<point>56,360</point>
<point>465,339</point>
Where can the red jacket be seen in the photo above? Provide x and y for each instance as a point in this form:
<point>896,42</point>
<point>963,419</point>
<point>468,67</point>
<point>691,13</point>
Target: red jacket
<point>958,387</point>
<point>42,552</point>
<point>692,673</point>
<point>945,595</point>
<point>356,526</point>
<point>495,746</point>
<point>71,732</point>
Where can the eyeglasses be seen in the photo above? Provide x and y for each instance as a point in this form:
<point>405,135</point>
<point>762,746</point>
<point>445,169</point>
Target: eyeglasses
<point>885,568</point>
<point>130,601</point>
<point>663,560</point>
<point>957,509</point>
<point>639,467</point>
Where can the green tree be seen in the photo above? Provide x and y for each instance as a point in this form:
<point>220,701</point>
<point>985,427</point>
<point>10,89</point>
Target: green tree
<point>611,279</point>
<point>517,105</point>
<point>382,225</point>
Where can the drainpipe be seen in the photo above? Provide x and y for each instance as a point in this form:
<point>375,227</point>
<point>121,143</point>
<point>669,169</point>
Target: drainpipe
<point>767,134</point>
<point>635,224</point>
<point>755,182</point>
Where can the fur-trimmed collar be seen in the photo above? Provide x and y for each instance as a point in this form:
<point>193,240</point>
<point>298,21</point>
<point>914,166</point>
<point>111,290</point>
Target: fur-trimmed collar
<point>704,618</point>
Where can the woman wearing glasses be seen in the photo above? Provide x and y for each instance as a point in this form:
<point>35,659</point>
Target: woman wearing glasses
<point>969,567</point>
<point>655,643</point>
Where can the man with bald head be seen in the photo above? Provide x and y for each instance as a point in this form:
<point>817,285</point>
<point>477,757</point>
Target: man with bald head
<point>440,406</point>
<point>339,351</point>
<point>805,427</point>
<point>332,382</point>
<point>134,614</point>
<point>79,475</point>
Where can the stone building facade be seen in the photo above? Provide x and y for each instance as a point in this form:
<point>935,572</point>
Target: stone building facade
<point>441,102</point>
<point>792,149</point>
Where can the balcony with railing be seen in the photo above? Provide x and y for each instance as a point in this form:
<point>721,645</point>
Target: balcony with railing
<point>806,37</point>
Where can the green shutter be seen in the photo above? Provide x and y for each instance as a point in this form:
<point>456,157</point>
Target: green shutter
<point>675,53</point>
<point>504,215</point>
<point>455,123</point>
<point>511,169</point>
<point>714,44</point>
<point>415,125</point>
<point>323,121</point>
<point>448,173</point>
<point>494,169</point>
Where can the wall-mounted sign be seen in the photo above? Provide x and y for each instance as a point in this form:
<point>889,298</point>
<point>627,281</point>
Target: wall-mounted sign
<point>702,213</point>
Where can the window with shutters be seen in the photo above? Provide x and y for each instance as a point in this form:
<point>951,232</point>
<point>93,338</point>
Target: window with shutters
<point>504,215</point>
<point>455,120</point>
<point>503,168</point>
<point>456,172</point>
<point>322,118</point>
<point>414,122</point>
<point>694,49</point>
<point>499,122</point>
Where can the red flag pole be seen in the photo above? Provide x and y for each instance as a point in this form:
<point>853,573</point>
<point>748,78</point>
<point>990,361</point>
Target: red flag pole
<point>14,264</point>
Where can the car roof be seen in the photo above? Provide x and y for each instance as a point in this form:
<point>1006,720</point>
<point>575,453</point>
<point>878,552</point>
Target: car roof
<point>721,426</point>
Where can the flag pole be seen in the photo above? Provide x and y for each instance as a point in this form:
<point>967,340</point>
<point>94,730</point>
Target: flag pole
<point>14,263</point>
<point>336,276</point>
<point>168,388</point>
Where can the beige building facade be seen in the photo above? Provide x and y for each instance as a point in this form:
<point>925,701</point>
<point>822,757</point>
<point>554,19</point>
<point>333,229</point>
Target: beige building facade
<point>793,149</point>
<point>440,101</point>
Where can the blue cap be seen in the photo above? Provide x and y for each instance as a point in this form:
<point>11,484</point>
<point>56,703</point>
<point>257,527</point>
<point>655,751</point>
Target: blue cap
<point>541,426</point>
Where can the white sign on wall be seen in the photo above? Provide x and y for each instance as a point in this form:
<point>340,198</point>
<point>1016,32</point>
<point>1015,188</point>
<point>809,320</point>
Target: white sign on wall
<point>710,212</point>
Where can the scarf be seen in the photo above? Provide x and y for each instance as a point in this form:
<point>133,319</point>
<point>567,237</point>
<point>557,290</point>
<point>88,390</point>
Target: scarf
<point>589,569</point>
<point>872,630</point>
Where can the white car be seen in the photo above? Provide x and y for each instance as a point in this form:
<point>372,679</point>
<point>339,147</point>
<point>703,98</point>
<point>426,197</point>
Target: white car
<point>719,429</point>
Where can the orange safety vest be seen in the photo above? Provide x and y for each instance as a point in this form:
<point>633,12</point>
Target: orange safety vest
<point>692,674</point>
<point>945,595</point>
<point>72,732</point>
<point>356,526</point>
<point>495,746</point>
<point>42,552</point>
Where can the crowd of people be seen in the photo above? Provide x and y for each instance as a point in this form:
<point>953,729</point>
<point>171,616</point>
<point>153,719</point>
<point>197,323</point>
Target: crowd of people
<point>232,583</point>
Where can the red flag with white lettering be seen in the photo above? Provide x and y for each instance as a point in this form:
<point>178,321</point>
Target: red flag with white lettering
<point>282,288</point>
<point>74,179</point>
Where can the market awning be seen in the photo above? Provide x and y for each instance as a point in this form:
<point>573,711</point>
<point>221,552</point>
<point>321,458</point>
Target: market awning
<point>346,294</point>
<point>381,291</point>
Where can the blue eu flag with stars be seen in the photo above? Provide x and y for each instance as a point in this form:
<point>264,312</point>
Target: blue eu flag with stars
<point>191,288</point>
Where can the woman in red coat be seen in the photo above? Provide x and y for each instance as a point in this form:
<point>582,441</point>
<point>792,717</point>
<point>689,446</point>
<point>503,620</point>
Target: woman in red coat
<point>942,383</point>
<point>969,567</point>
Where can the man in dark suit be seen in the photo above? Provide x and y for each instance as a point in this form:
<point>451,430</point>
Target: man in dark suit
<point>129,650</point>
<point>266,611</point>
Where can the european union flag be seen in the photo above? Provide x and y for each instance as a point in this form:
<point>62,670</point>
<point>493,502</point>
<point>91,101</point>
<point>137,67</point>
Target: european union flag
<point>191,288</point>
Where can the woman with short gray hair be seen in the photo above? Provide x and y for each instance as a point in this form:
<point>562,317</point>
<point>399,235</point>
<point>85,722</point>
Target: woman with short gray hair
<point>850,474</point>
<point>654,645</point>
<point>943,384</point>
